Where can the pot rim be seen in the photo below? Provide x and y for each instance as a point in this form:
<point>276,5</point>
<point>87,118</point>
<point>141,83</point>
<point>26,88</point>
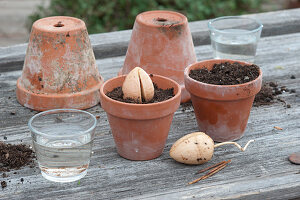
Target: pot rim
<point>58,95</point>
<point>221,92</point>
<point>23,93</point>
<point>177,95</point>
<point>187,70</point>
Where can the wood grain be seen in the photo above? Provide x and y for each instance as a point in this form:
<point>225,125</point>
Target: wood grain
<point>261,172</point>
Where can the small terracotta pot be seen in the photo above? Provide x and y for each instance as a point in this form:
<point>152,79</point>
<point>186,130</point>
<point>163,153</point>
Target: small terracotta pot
<point>59,69</point>
<point>140,130</point>
<point>161,43</point>
<point>221,111</point>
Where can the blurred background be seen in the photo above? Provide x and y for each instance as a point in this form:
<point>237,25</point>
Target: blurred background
<point>17,16</point>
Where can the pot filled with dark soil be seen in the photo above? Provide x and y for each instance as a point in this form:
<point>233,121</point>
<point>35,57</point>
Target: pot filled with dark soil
<point>140,125</point>
<point>222,92</point>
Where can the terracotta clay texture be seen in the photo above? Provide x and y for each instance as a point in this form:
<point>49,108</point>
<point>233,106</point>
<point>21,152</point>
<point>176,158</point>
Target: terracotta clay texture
<point>59,69</point>
<point>140,130</point>
<point>221,111</point>
<point>161,43</point>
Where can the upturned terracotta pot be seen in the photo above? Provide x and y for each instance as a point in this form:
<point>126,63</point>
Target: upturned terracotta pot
<point>59,69</point>
<point>140,130</point>
<point>221,111</point>
<point>161,43</point>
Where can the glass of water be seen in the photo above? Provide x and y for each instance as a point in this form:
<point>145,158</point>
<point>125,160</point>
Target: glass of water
<point>234,37</point>
<point>62,140</point>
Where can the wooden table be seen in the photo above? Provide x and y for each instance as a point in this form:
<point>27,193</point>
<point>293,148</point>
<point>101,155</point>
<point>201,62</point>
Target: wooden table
<point>262,172</point>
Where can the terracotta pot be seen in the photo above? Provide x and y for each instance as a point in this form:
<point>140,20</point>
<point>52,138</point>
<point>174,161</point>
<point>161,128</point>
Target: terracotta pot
<point>221,111</point>
<point>59,69</point>
<point>161,43</point>
<point>140,130</point>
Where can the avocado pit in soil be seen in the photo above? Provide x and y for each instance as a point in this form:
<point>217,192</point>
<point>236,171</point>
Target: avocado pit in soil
<point>159,95</point>
<point>226,74</point>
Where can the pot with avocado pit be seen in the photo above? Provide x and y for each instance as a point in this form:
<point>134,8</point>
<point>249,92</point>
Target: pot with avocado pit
<point>222,104</point>
<point>139,122</point>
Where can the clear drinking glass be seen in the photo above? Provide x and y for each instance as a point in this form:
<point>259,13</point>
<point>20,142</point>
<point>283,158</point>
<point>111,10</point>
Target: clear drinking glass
<point>234,37</point>
<point>62,139</point>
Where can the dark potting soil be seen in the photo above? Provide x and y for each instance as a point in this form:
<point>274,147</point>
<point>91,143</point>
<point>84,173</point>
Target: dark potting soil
<point>187,106</point>
<point>14,156</point>
<point>226,74</point>
<point>3,184</point>
<point>159,95</point>
<point>268,94</point>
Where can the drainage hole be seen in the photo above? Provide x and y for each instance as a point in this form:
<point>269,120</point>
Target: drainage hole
<point>59,24</point>
<point>161,19</point>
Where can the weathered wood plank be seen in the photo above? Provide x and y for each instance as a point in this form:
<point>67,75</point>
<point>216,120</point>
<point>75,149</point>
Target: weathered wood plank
<point>115,43</point>
<point>262,172</point>
<point>274,55</point>
<point>253,188</point>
